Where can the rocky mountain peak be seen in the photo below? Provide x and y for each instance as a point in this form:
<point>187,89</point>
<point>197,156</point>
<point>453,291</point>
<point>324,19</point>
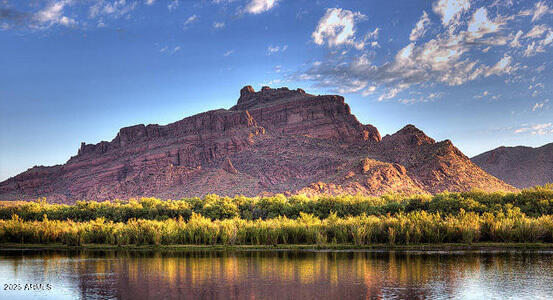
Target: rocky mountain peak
<point>249,98</point>
<point>520,166</point>
<point>275,140</point>
<point>248,89</point>
<point>412,135</point>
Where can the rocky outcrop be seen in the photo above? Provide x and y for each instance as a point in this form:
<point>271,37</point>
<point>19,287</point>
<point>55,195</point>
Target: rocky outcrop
<point>296,112</point>
<point>227,166</point>
<point>437,166</point>
<point>271,141</point>
<point>519,166</point>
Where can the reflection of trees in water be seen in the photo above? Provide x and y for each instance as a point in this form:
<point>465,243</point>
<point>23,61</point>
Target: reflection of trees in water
<point>285,274</point>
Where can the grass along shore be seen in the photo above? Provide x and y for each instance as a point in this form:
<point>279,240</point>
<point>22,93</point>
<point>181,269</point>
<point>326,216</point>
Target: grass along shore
<point>481,246</point>
<point>468,218</point>
<point>401,229</point>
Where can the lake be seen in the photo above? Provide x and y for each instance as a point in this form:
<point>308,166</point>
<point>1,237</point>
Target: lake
<point>253,274</point>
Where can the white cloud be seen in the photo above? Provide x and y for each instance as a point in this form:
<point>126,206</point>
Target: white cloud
<point>337,27</point>
<point>533,49</point>
<point>452,56</point>
<point>548,39</point>
<point>52,14</point>
<point>420,28</point>
<point>447,58</point>
<point>117,8</point>
<point>373,34</point>
<point>218,25</point>
<point>503,66</point>
<point>190,20</point>
<point>538,129</point>
<point>228,53</point>
<point>149,2</point>
<point>369,91</point>
<point>540,9</point>
<point>275,49</point>
<point>479,25</point>
<point>537,31</point>
<point>537,106</point>
<point>515,43</point>
<point>354,87</point>
<point>433,96</point>
<point>536,86</point>
<point>173,5</point>
<point>260,6</point>
<point>390,94</point>
<point>170,50</point>
<point>67,21</point>
<point>450,10</point>
<point>484,94</point>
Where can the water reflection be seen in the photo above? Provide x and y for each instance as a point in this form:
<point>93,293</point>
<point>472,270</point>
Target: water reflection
<point>278,274</point>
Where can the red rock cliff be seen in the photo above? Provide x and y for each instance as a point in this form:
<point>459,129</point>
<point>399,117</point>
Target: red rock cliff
<point>271,141</point>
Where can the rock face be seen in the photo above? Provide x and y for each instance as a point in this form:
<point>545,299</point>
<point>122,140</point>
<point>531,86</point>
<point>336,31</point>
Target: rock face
<point>519,166</point>
<point>271,141</point>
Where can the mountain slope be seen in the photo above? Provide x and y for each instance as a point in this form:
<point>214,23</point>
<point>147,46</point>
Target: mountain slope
<point>272,141</point>
<point>519,166</point>
<point>438,166</point>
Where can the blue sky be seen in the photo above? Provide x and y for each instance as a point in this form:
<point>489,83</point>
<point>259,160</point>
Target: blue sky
<point>476,72</point>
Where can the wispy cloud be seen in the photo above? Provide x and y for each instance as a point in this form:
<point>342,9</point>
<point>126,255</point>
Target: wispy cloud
<point>53,14</point>
<point>452,56</point>
<point>170,50</point>
<point>260,6</point>
<point>192,19</point>
<point>276,49</point>
<point>173,5</point>
<point>450,10</point>
<point>540,9</point>
<point>218,25</point>
<point>337,27</point>
<point>482,95</point>
<point>228,53</point>
<point>118,8</point>
<point>420,28</point>
<point>537,129</point>
<point>540,105</point>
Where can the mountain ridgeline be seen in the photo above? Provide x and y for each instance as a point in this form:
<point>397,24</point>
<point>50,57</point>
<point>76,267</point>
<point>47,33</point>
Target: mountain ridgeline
<point>271,141</point>
<point>519,166</point>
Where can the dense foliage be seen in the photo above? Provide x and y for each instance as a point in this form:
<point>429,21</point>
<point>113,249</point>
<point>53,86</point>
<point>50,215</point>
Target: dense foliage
<point>533,202</point>
<point>411,228</point>
<point>468,217</point>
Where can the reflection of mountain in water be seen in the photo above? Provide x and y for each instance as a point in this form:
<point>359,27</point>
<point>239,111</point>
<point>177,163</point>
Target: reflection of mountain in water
<point>283,275</point>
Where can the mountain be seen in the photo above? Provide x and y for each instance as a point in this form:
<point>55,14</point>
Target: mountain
<point>519,166</point>
<point>271,141</point>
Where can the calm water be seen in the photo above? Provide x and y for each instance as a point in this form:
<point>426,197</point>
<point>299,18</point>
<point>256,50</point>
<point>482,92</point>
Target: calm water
<point>276,275</point>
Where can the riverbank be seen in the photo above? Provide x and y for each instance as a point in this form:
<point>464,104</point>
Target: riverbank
<point>376,247</point>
